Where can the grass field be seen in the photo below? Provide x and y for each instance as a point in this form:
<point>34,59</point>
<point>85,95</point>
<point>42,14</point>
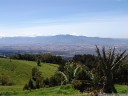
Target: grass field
<point>66,90</point>
<point>20,71</point>
<point>122,89</point>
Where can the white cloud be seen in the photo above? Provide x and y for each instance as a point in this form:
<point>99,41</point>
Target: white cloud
<point>100,28</point>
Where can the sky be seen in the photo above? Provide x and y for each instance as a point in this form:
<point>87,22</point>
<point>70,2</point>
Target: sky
<point>92,18</point>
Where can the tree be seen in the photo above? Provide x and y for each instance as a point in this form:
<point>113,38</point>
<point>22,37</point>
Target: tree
<point>109,62</point>
<point>39,82</point>
<point>86,59</point>
<point>35,73</point>
<point>38,62</point>
<point>30,84</point>
<point>36,81</point>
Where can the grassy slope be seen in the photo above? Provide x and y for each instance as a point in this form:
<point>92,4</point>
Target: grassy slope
<point>122,89</point>
<point>20,71</point>
<point>66,90</point>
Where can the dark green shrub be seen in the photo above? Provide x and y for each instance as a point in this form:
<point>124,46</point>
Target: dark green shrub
<point>56,80</point>
<point>39,83</point>
<point>35,73</point>
<point>46,82</point>
<point>36,81</point>
<point>5,80</point>
<point>61,67</point>
<point>38,62</point>
<point>83,75</point>
<point>66,86</point>
<point>83,85</point>
<point>77,84</point>
<point>26,87</point>
<point>31,84</point>
<point>53,81</point>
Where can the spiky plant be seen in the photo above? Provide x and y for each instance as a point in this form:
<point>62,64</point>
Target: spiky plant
<point>70,71</point>
<point>75,71</point>
<point>109,62</point>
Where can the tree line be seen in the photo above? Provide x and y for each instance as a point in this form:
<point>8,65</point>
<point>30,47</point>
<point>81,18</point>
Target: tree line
<point>47,58</point>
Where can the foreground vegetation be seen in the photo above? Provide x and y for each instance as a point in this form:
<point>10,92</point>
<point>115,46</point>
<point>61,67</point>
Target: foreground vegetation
<point>65,90</point>
<point>52,91</point>
<point>87,73</point>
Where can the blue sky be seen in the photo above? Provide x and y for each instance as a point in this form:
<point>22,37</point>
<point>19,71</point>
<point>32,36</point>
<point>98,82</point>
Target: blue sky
<point>93,18</point>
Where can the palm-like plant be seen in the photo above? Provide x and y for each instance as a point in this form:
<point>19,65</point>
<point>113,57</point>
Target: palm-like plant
<point>109,62</point>
<point>74,71</point>
<point>70,71</point>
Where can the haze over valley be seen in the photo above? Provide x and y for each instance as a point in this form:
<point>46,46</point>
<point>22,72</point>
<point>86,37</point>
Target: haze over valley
<point>64,45</point>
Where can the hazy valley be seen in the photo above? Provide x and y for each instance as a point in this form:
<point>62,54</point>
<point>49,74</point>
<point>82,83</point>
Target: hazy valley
<point>64,45</point>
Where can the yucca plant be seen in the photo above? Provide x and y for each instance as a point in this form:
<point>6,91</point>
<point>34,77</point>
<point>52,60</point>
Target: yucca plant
<point>70,71</point>
<point>75,71</point>
<point>109,62</point>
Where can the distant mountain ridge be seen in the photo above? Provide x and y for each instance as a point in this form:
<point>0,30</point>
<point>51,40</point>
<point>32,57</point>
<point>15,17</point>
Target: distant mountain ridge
<point>60,43</point>
<point>58,39</point>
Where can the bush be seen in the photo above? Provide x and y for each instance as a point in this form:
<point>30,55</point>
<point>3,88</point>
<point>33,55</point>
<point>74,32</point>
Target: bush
<point>66,86</point>
<point>39,83</point>
<point>56,80</point>
<point>61,67</point>
<point>35,73</point>
<point>31,84</point>
<point>5,80</point>
<point>82,85</point>
<point>46,82</point>
<point>77,84</point>
<point>38,62</point>
<point>83,75</point>
<point>36,81</point>
<point>26,87</point>
<point>53,82</point>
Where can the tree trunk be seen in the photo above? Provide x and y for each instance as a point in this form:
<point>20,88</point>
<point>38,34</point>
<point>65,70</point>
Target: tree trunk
<point>108,86</point>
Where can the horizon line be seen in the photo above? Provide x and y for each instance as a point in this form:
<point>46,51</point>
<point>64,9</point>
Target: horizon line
<point>61,35</point>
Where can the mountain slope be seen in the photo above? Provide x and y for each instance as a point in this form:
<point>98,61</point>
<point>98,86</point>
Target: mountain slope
<point>59,39</point>
<point>60,44</point>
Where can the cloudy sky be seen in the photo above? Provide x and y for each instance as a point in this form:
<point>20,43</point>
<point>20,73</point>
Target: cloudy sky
<point>93,18</point>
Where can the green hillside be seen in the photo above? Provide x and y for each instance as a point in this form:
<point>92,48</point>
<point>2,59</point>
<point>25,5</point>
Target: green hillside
<point>65,90</point>
<point>20,71</point>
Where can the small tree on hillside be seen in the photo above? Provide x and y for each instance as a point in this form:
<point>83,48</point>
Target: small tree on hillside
<point>36,81</point>
<point>38,62</point>
<point>35,73</point>
<point>31,84</point>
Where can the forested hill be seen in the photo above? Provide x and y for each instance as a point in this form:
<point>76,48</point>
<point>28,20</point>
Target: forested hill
<point>59,39</point>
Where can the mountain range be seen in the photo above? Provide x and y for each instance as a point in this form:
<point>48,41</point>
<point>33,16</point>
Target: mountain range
<point>65,45</point>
